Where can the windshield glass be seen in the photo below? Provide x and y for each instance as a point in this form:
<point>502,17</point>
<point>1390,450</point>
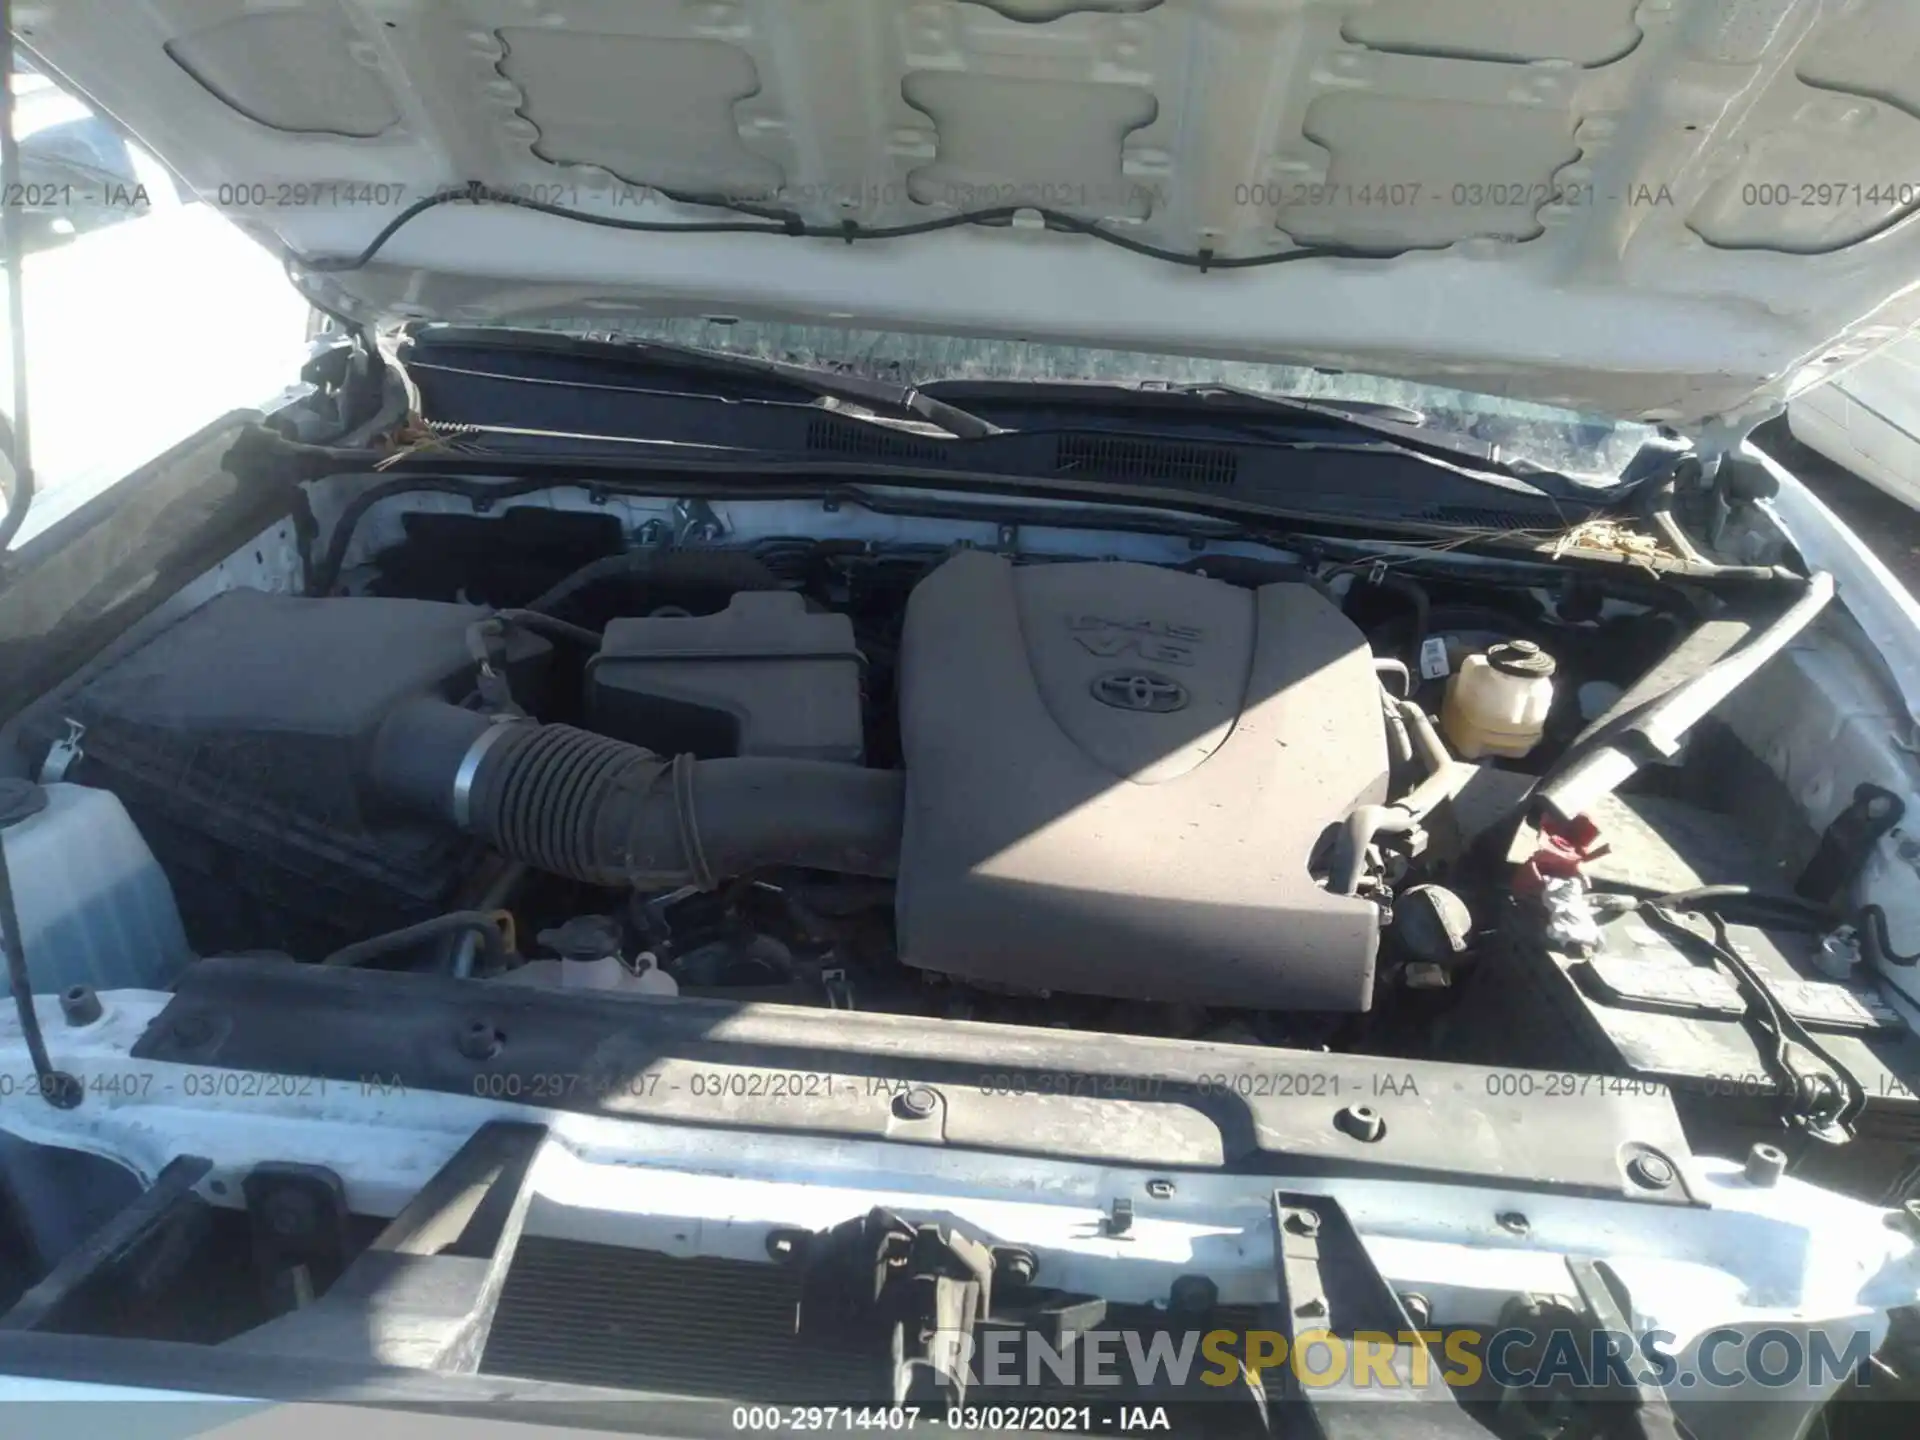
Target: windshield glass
<point>1592,449</point>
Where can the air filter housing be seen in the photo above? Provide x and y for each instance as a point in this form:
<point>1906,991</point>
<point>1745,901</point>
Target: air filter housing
<point>235,739</point>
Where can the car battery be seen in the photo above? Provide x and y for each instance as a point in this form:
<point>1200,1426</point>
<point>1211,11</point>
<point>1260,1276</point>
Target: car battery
<point>764,677</point>
<point>1649,1005</point>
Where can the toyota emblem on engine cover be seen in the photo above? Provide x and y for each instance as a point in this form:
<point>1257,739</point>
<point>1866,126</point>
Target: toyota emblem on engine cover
<point>1138,691</point>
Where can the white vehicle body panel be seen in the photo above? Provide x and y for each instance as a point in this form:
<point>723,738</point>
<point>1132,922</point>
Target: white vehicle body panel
<point>1684,211</point>
<point>1868,420</point>
<point>1752,1257</point>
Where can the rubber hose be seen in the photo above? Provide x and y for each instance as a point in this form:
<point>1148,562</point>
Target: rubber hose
<point>459,922</point>
<point>1426,740</point>
<point>1445,779</point>
<point>604,812</point>
<point>1383,667</point>
<point>1399,742</point>
<point>1363,827</point>
<point>553,629</point>
<point>1879,947</point>
<point>1418,603</point>
<point>727,570</point>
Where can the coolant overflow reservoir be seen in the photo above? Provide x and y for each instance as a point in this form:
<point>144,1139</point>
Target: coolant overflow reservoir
<point>1497,702</point>
<point>94,906</point>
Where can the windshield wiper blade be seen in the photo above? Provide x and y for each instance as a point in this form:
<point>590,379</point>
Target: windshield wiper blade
<point>845,389</point>
<point>830,385</point>
<point>1061,407</point>
<point>1378,412</point>
<point>1228,403</point>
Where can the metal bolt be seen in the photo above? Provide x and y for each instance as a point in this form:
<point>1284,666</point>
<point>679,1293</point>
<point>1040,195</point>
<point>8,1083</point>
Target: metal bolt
<point>1418,1307</point>
<point>1311,1307</point>
<point>80,1005</point>
<point>1159,1188</point>
<point>1019,1266</point>
<point>1513,1222</point>
<point>916,1104</point>
<point>1653,1172</point>
<point>1303,1222</point>
<point>1765,1165</point>
<point>61,1090</point>
<point>1362,1122</point>
<point>289,1212</point>
<point>192,1030</point>
<point>479,1041</point>
<point>1120,1218</point>
<point>784,1245</point>
<point>1192,1295</point>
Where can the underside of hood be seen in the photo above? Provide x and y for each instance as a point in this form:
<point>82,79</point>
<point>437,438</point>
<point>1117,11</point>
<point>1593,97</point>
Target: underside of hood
<point>1672,210</point>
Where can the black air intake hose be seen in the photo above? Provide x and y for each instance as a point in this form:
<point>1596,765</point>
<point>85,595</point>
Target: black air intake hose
<point>608,813</point>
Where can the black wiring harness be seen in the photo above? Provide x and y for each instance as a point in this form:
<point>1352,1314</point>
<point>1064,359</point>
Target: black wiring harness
<point>1876,942</point>
<point>769,221</point>
<point>1824,1103</point>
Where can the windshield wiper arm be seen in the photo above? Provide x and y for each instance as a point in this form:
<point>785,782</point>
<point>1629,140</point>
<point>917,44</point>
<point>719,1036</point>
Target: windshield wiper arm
<point>1066,406</point>
<point>1381,413</point>
<point>1352,419</point>
<point>826,385</point>
<point>905,402</point>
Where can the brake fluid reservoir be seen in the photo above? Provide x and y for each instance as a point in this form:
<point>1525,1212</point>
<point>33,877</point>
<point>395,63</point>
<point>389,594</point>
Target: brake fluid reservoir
<point>95,907</point>
<point>1497,702</point>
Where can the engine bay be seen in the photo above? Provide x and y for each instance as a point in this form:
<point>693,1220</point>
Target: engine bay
<point>1249,795</point>
<point>676,843</point>
<point>1068,816</point>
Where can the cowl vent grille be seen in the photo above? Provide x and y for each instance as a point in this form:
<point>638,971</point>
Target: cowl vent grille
<point>1108,457</point>
<point>843,437</point>
<point>1480,518</point>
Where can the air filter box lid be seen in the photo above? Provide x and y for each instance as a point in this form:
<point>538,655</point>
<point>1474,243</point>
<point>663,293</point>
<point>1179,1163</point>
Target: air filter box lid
<point>765,676</point>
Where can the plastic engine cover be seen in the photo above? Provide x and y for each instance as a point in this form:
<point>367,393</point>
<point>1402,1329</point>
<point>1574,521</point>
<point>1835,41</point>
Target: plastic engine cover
<point>1116,775</point>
